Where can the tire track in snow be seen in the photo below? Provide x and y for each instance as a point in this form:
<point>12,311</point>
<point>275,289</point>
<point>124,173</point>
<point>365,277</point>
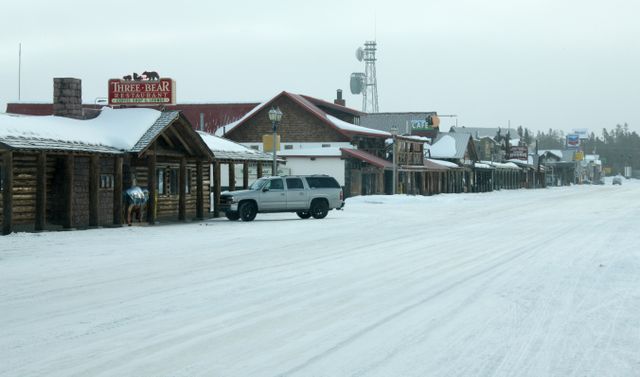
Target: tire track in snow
<point>353,337</point>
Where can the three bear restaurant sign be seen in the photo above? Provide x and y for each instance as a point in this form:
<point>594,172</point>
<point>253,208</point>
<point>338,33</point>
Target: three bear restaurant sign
<point>161,91</point>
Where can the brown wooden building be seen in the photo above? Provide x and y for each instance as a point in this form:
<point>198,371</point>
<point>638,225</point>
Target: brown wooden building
<point>308,121</point>
<point>68,172</point>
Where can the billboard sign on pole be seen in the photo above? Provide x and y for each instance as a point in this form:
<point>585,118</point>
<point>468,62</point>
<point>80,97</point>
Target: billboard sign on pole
<point>573,141</point>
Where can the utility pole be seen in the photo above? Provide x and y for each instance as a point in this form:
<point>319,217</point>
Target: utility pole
<point>19,70</point>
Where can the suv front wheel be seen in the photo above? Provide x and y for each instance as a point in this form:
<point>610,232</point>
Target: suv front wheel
<point>319,209</point>
<point>248,211</point>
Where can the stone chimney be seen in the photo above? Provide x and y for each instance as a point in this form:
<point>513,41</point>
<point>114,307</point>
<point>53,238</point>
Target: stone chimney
<point>339,100</point>
<point>67,97</point>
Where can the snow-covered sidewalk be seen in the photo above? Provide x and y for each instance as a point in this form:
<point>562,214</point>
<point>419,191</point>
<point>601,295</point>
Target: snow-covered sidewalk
<point>510,283</point>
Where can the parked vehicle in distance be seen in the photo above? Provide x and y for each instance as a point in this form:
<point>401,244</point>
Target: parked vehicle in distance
<point>617,180</point>
<point>307,196</point>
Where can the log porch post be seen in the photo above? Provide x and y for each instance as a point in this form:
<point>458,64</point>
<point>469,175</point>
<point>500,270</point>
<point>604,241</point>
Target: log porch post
<point>245,175</point>
<point>153,193</point>
<point>232,176</point>
<point>259,169</point>
<point>182,190</point>
<point>41,192</point>
<point>216,190</point>
<point>117,190</point>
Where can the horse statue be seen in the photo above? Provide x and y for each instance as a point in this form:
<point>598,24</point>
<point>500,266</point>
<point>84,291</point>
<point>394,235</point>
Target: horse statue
<point>135,200</point>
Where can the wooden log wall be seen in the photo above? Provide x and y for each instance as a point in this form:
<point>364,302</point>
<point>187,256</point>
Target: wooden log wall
<point>24,188</point>
<point>80,194</point>
<point>53,204</point>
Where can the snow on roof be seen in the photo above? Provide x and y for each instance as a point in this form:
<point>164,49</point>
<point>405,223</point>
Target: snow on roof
<point>443,163</point>
<point>346,126</point>
<point>556,152</point>
<point>483,166</point>
<point>226,149</point>
<point>216,143</point>
<point>417,138</point>
<point>519,163</point>
<point>445,147</point>
<point>511,165</point>
<point>120,129</point>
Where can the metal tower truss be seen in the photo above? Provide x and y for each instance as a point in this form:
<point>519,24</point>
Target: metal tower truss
<point>370,92</point>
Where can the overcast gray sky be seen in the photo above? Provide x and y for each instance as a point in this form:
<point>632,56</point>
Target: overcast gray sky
<point>541,64</point>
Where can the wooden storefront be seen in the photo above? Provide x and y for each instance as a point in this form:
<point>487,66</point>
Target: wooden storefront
<point>51,183</point>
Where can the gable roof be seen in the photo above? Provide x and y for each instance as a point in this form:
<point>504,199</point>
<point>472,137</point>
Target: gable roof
<point>112,131</point>
<point>181,126</point>
<point>347,129</point>
<point>344,109</point>
<point>165,119</point>
<point>450,145</point>
<point>478,132</point>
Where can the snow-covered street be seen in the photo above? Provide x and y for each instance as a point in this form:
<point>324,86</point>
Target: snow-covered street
<point>510,283</point>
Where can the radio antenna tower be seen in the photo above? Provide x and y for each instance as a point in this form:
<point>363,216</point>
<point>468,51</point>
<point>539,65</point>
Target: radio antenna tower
<point>366,83</point>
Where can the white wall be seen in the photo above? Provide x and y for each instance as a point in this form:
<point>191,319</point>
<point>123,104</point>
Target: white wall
<point>297,146</point>
<point>332,166</point>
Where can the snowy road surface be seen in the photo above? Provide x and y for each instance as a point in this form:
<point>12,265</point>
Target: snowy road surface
<point>510,283</point>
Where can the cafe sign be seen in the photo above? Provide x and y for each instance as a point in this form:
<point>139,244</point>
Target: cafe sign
<point>153,92</point>
<point>519,153</point>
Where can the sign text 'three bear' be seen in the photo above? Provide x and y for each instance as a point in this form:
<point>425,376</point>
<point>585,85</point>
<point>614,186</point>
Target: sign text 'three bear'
<point>157,92</point>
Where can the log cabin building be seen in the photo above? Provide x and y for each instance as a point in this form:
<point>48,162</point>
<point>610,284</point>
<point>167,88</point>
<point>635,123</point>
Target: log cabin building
<point>205,117</point>
<point>64,171</point>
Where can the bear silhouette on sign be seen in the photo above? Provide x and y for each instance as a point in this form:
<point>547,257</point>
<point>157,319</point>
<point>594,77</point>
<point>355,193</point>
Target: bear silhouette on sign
<point>151,76</point>
<point>126,78</point>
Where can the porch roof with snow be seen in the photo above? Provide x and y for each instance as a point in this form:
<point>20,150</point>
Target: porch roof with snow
<point>224,149</point>
<point>112,132</point>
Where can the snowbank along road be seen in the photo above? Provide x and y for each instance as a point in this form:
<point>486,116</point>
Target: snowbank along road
<point>510,283</point>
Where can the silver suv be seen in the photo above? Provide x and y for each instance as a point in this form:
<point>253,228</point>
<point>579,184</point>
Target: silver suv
<point>306,195</point>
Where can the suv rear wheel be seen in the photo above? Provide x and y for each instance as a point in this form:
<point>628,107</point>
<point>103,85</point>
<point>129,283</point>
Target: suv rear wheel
<point>303,214</point>
<point>248,211</point>
<point>319,209</point>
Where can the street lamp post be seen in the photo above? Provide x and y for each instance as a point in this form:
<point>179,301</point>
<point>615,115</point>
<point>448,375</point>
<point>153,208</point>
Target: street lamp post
<point>394,132</point>
<point>275,116</point>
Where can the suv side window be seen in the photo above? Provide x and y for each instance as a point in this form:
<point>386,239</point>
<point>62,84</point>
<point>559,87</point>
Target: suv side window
<point>294,184</point>
<point>276,184</point>
<point>322,182</point>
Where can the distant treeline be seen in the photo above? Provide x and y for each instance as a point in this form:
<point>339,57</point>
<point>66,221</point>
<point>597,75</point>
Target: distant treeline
<point>617,147</point>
